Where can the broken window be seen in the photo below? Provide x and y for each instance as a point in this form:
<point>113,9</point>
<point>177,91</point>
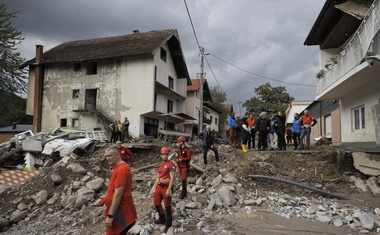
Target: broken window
<point>171,83</point>
<point>216,121</point>
<point>91,68</point>
<point>77,67</point>
<point>75,122</point>
<point>63,122</point>
<point>163,54</point>
<point>358,118</point>
<point>75,94</point>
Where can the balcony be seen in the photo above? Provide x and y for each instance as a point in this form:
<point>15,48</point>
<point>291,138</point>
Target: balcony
<point>352,69</point>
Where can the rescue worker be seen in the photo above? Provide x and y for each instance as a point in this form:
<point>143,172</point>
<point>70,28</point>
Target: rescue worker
<point>164,185</point>
<point>183,162</point>
<point>121,212</point>
<point>125,153</point>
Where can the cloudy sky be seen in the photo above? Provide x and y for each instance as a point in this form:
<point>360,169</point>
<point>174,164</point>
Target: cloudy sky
<point>248,42</point>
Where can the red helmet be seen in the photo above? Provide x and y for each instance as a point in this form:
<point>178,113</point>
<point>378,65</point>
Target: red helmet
<point>164,150</point>
<point>181,139</point>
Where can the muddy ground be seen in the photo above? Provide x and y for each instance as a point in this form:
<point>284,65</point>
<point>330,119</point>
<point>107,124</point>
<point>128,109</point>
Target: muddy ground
<point>327,168</point>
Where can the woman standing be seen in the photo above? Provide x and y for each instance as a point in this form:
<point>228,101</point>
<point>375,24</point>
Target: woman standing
<point>163,192</point>
<point>183,162</point>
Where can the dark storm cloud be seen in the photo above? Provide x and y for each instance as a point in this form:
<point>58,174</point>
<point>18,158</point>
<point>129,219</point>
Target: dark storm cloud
<point>264,37</point>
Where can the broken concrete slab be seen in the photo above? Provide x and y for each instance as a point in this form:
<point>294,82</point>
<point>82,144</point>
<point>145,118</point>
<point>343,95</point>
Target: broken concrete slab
<point>366,163</point>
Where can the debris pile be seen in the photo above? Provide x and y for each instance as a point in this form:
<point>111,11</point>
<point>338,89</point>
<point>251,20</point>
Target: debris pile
<point>63,198</point>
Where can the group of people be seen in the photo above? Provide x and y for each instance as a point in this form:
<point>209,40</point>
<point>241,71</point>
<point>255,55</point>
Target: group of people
<point>243,131</point>
<point>120,214</point>
<point>119,131</point>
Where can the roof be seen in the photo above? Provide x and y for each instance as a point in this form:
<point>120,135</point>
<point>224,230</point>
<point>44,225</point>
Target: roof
<point>195,85</point>
<point>136,44</point>
<point>229,107</point>
<point>19,128</point>
<point>332,27</point>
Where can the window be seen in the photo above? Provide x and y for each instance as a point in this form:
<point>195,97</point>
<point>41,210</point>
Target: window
<point>358,118</point>
<point>91,68</point>
<point>170,106</point>
<point>63,122</point>
<point>76,94</point>
<point>155,73</point>
<point>171,83</point>
<point>77,67</point>
<point>169,126</point>
<point>216,121</point>
<point>210,119</point>
<point>163,54</point>
<point>75,122</point>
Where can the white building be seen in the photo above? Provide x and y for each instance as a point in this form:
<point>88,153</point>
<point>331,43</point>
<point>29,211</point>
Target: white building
<point>347,33</point>
<point>85,84</point>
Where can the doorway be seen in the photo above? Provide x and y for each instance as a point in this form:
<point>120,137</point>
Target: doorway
<point>90,99</point>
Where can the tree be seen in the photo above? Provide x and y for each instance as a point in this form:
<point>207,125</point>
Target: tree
<point>218,98</point>
<point>12,79</point>
<point>269,99</point>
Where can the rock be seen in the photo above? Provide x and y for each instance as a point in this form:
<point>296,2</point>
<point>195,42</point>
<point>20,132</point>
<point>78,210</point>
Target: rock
<point>217,201</point>
<point>95,184</point>
<point>86,178</point>
<point>136,229</point>
<point>230,179</point>
<point>191,205</point>
<point>41,197</point>
<point>226,196</point>
<point>313,209</point>
<point>365,219</point>
<point>200,225</point>
<point>56,178</point>
<point>3,222</point>
<point>359,183</point>
<point>86,193</point>
<point>377,211</point>
<point>322,217</point>
<point>338,222</point>
<point>217,180</point>
<point>249,202</point>
<point>372,185</point>
<point>199,182</point>
<point>211,204</point>
<point>81,201</point>
<point>22,206</point>
<point>18,215</point>
<point>77,168</point>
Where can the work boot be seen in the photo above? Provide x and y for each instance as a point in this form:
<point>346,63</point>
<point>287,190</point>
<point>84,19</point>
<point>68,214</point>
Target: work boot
<point>161,219</point>
<point>169,219</point>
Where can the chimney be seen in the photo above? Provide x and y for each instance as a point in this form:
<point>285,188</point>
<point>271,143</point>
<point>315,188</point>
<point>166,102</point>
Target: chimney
<point>14,125</point>
<point>38,83</point>
<point>136,31</point>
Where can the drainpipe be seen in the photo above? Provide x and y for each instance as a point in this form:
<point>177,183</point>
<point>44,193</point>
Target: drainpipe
<point>38,70</point>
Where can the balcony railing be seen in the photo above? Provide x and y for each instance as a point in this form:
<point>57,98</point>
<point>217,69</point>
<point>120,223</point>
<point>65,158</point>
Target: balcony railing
<point>355,51</point>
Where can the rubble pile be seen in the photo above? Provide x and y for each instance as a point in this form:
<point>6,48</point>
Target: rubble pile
<point>63,198</point>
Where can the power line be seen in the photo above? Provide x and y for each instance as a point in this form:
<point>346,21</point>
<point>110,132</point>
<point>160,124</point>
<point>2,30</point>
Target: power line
<point>213,74</point>
<point>192,25</point>
<point>261,76</point>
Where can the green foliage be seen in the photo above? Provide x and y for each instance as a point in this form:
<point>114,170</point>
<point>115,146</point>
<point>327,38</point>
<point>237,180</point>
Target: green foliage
<point>218,98</point>
<point>12,109</point>
<point>12,79</point>
<point>269,99</point>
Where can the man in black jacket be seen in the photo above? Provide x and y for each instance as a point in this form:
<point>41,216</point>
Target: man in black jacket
<point>262,128</point>
<point>208,143</point>
<point>280,129</point>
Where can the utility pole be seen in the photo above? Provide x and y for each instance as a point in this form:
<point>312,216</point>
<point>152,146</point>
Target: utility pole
<point>239,108</point>
<point>200,119</point>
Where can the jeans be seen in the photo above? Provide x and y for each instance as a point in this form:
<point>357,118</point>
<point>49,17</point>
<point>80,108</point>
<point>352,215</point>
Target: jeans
<point>305,132</point>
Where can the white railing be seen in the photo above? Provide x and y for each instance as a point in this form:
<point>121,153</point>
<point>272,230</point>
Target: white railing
<point>355,51</point>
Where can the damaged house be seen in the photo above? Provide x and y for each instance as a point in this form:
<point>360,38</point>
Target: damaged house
<point>86,84</point>
<point>347,33</point>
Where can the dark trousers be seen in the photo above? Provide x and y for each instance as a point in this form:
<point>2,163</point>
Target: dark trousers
<point>281,140</point>
<point>251,141</point>
<point>113,137</point>
<point>296,139</point>
<point>263,137</point>
<point>205,149</point>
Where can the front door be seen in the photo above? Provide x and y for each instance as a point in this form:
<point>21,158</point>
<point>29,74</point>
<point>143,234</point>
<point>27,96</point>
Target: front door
<point>90,99</point>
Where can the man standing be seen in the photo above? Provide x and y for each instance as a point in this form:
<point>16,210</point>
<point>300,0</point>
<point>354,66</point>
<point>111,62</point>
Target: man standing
<point>113,126</point>
<point>208,143</point>
<point>125,134</point>
<point>183,162</point>
<point>307,121</point>
<point>262,128</point>
<point>125,153</point>
<point>273,133</point>
<point>120,212</point>
<point>296,130</point>
<point>289,136</point>
<point>252,123</point>
<point>232,125</point>
<point>280,130</point>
